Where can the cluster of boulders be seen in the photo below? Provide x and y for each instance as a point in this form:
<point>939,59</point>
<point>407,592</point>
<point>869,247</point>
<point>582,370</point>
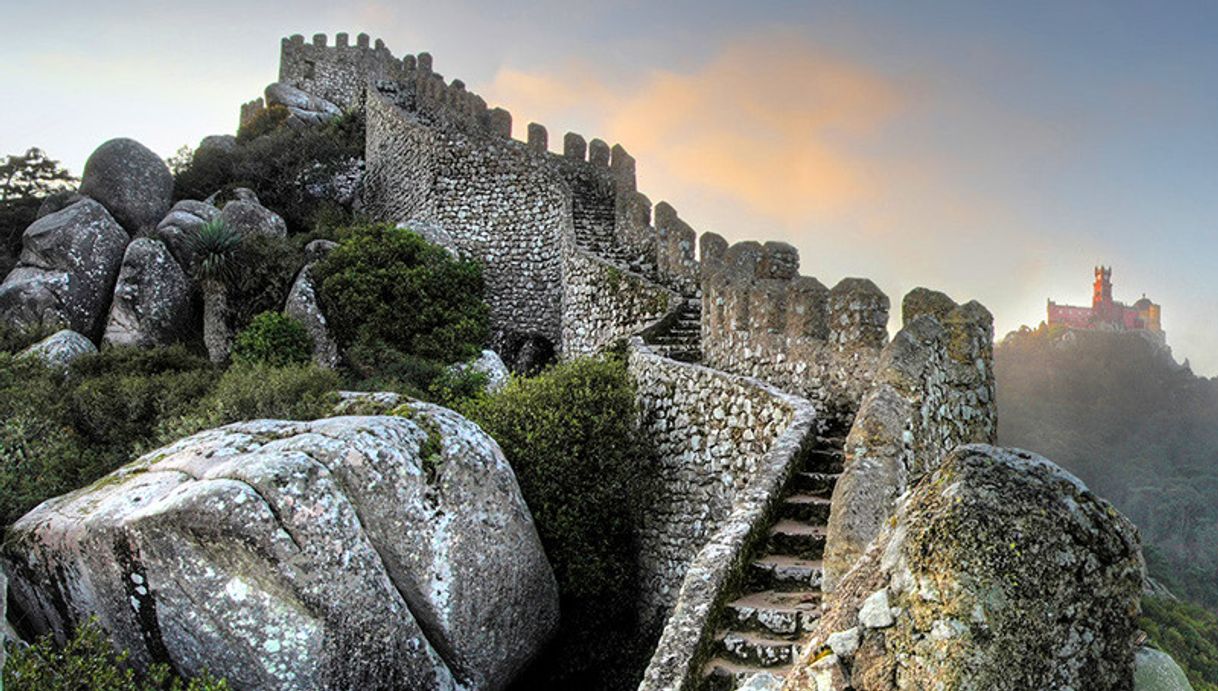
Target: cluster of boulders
<point>113,261</point>
<point>390,551</point>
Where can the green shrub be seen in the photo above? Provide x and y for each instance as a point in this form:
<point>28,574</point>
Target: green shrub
<point>457,387</point>
<point>257,391</point>
<point>264,268</point>
<point>14,339</point>
<point>88,662</point>
<point>63,432</point>
<point>273,338</point>
<point>1187,632</point>
<point>585,471</point>
<point>117,397</point>
<point>385,287</point>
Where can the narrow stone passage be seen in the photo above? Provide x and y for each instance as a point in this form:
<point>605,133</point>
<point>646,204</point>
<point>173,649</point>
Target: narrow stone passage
<point>769,619</point>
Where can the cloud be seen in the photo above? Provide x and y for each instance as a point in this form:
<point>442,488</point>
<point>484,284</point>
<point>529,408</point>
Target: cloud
<point>771,122</point>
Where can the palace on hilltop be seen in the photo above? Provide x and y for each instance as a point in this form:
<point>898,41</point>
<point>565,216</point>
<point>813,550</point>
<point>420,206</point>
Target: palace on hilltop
<point>1106,314</point>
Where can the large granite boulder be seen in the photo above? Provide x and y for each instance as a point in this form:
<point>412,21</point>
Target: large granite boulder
<point>249,217</point>
<point>60,348</point>
<point>305,110</point>
<point>302,304</point>
<point>349,552</point>
<point>151,304</point>
<point>999,570</point>
<point>178,228</point>
<point>66,272</point>
<point>133,183</point>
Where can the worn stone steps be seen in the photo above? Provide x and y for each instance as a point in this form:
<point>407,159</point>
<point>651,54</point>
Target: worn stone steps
<point>769,619</point>
<point>774,612</point>
<point>720,674</point>
<point>796,539</point>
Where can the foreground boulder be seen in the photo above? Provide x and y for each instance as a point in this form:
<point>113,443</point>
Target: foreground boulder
<point>133,183</point>
<point>66,272</point>
<point>999,570</point>
<point>151,305</point>
<point>350,552</point>
<point>61,348</point>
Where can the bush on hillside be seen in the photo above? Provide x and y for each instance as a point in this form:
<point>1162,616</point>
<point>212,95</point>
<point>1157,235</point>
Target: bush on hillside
<point>275,339</point>
<point>88,662</point>
<point>385,287</point>
<point>585,471</point>
<point>264,268</point>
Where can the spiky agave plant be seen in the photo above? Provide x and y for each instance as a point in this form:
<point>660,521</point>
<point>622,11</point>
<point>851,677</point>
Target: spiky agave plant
<point>214,246</point>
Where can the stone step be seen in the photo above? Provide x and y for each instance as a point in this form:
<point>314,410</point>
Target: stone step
<point>814,483</point>
<point>808,508</point>
<point>824,460</point>
<point>784,615</point>
<point>757,649</point>
<point>785,574</point>
<point>721,674</point>
<point>796,539</point>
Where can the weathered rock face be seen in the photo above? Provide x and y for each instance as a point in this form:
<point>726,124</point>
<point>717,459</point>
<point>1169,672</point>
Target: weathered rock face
<point>151,304</point>
<point>225,143</point>
<point>302,305</point>
<point>178,227</point>
<point>999,570</point>
<point>67,269</point>
<point>133,184</point>
<point>58,201</point>
<point>490,364</point>
<point>1156,671</point>
<point>61,348</point>
<point>306,110</point>
<point>350,552</point>
<point>251,218</point>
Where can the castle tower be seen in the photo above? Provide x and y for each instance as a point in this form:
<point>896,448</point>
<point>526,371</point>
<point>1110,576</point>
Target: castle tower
<point>1101,297</point>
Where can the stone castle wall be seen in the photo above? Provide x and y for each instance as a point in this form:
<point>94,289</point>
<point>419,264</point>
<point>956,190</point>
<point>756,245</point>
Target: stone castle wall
<point>934,391</point>
<point>761,319</point>
<point>337,73</point>
<point>714,433</point>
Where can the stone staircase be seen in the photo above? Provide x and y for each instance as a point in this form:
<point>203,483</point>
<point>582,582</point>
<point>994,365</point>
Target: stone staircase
<point>682,340</point>
<point>764,627</point>
<point>593,217</point>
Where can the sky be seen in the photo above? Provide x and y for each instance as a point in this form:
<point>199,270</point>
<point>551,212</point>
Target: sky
<point>995,151</point>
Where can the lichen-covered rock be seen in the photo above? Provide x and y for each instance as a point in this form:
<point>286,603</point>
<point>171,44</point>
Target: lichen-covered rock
<point>1157,671</point>
<point>151,305</point>
<point>306,110</point>
<point>433,233</point>
<point>251,218</point>
<point>179,226</point>
<point>66,272</point>
<point>61,348</point>
<point>224,143</point>
<point>133,184</point>
<point>489,364</point>
<point>999,570</point>
<point>57,201</point>
<point>302,304</point>
<point>349,552</point>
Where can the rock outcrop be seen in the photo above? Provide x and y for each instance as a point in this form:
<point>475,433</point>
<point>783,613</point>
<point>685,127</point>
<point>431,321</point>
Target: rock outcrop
<point>999,570</point>
<point>302,305</point>
<point>151,305</point>
<point>61,348</point>
<point>305,110</point>
<point>249,217</point>
<point>491,366</point>
<point>179,226</point>
<point>350,552</point>
<point>1157,671</point>
<point>66,272</point>
<point>133,184</point>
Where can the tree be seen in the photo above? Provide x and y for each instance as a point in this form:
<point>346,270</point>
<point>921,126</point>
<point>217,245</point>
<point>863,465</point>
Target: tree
<point>32,175</point>
<point>215,245</point>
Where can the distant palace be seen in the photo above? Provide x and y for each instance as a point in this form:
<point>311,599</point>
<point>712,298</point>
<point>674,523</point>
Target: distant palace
<point>1105,314</point>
